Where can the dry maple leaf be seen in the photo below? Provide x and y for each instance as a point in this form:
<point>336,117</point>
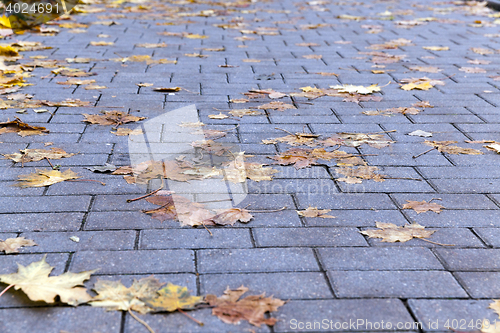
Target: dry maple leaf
<point>298,139</point>
<point>171,298</point>
<point>218,116</point>
<point>444,147</point>
<point>482,51</point>
<point>34,155</point>
<point>423,206</point>
<point>280,106</point>
<point>473,70</point>
<point>423,83</point>
<point>231,309</point>
<point>356,175</point>
<point>238,170</point>
<point>231,216</point>
<point>244,112</point>
<point>426,69</point>
<point>436,48</point>
<point>11,245</point>
<point>45,178</point>
<point>22,129</point>
<point>391,233</point>
<point>111,118</point>
<point>211,147</point>
<point>393,44</point>
<point>35,281</point>
<point>356,140</point>
<point>356,98</point>
<point>127,131</point>
<point>174,206</point>
<point>304,158</point>
<point>315,212</point>
<point>113,295</point>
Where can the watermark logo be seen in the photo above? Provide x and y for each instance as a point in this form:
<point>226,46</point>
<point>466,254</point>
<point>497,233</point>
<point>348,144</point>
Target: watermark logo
<point>27,14</point>
<point>165,140</point>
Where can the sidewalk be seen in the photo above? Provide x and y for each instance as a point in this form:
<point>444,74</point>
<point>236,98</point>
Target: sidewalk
<point>324,268</point>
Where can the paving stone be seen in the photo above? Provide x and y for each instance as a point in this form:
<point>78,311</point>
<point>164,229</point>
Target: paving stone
<point>469,259</point>
<point>450,201</point>
<point>256,260</point>
<point>45,204</point>
<point>489,235</point>
<point>456,218</point>
<point>61,319</point>
<point>352,258</point>
<point>124,220</point>
<point>41,222</point>
<point>279,237</point>
<point>435,314</point>
<point>302,285</point>
<point>353,314</point>
<point>402,284</point>
<point>346,201</point>
<point>134,262</point>
<point>195,239</point>
<point>88,241</point>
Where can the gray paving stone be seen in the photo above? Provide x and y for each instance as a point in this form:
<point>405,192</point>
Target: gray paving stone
<point>60,319</point>
<point>256,260</point>
<point>41,222</point>
<point>351,258</point>
<point>469,259</point>
<point>434,314</point>
<point>346,201</point>
<point>455,218</point>
<point>45,204</point>
<point>402,284</point>
<point>125,220</point>
<point>356,218</point>
<point>302,285</point>
<point>280,237</point>
<point>134,262</point>
<point>195,239</point>
<point>480,284</point>
<point>353,314</point>
<point>88,241</point>
<point>489,235</point>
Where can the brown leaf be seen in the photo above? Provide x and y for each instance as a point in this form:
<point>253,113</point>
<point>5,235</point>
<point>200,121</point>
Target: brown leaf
<point>34,155</point>
<point>444,147</point>
<point>167,89</point>
<point>423,206</point>
<point>231,309</point>
<point>391,233</point>
<point>238,170</point>
<point>473,70</point>
<point>230,216</point>
<point>22,129</point>
<point>111,118</point>
<point>12,245</point>
<point>280,106</point>
<point>356,175</point>
<point>244,112</point>
<point>298,139</point>
<point>426,69</point>
<point>356,140</point>
<point>315,212</point>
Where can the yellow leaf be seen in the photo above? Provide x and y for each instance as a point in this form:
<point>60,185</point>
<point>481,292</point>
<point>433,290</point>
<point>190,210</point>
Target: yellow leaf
<point>172,298</point>
<point>35,281</point>
<point>420,86</point>
<point>11,245</point>
<point>5,22</point>
<point>45,177</point>
<point>349,88</point>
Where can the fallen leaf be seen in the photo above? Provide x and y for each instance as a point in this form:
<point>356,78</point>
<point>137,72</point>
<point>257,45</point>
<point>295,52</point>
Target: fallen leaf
<point>392,111</point>
<point>244,112</point>
<point>494,146</point>
<point>422,206</point>
<point>482,51</point>
<point>34,155</point>
<point>473,70</point>
<point>312,56</point>
<point>101,43</point>
<point>230,216</point>
<point>356,140</point>
<point>391,233</point>
<point>111,118</point>
<point>356,175</point>
<point>239,170</point>
<point>420,133</point>
<point>35,281</point>
<point>45,177</point>
<point>167,89</point>
<point>113,295</point>
<point>280,106</point>
<point>426,69</point>
<point>436,48</point>
<point>357,89</point>
<point>127,131</point>
<point>218,116</point>
<point>298,139</point>
<point>479,62</point>
<point>232,310</point>
<point>12,245</point>
<point>315,212</point>
<point>145,84</point>
<point>444,147</point>
<point>171,298</point>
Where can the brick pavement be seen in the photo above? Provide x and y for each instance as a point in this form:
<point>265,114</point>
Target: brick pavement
<point>324,267</point>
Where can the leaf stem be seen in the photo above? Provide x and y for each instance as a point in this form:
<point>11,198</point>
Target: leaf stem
<point>148,194</point>
<point>436,242</point>
<point>8,287</point>
<point>268,211</point>
<point>425,152</point>
<point>190,317</point>
<point>141,321</point>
